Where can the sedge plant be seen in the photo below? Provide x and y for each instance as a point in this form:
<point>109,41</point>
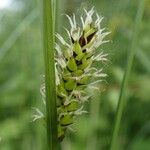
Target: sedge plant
<point>75,71</point>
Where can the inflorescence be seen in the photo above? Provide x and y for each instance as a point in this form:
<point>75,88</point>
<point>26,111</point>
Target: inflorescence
<point>75,70</point>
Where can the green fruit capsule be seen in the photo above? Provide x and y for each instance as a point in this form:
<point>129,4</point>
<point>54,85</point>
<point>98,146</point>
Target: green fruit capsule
<point>66,77</point>
<point>66,71</point>
<point>78,73</point>
<point>88,55</point>
<point>61,132</point>
<point>85,64</point>
<point>89,32</point>
<point>72,106</point>
<point>89,44</point>
<point>80,87</point>
<point>61,90</point>
<point>58,102</point>
<point>66,120</point>
<point>84,80</point>
<point>66,74</point>
<point>72,66</point>
<point>61,109</point>
<point>70,85</point>
<point>79,56</point>
<point>77,48</point>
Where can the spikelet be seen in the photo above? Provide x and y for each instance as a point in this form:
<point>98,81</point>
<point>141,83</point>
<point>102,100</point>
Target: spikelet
<point>74,67</point>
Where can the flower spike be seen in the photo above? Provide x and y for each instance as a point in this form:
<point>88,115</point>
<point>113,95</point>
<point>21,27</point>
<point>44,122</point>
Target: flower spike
<point>74,60</point>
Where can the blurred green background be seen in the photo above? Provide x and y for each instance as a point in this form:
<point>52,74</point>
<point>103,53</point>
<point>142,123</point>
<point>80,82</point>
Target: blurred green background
<point>21,69</point>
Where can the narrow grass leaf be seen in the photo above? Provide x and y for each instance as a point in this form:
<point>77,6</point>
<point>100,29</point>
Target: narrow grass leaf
<point>132,52</point>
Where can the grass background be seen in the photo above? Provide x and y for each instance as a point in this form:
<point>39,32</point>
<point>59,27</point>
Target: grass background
<point>22,66</point>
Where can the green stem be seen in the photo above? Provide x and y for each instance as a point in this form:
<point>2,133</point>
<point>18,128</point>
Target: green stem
<point>132,52</point>
<point>49,39</point>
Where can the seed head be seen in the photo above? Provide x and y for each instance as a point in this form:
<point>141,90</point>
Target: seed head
<point>74,65</point>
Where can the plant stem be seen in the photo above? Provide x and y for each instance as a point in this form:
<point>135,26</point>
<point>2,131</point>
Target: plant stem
<point>49,39</point>
<point>132,52</point>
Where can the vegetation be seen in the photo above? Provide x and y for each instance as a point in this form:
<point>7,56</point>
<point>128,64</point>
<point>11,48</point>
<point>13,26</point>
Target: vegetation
<point>22,67</point>
<point>49,76</point>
